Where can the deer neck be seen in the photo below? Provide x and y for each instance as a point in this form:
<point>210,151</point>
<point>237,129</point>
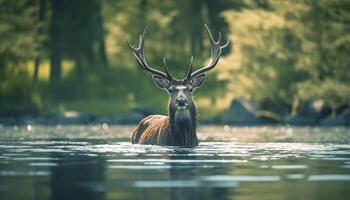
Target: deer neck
<point>183,126</point>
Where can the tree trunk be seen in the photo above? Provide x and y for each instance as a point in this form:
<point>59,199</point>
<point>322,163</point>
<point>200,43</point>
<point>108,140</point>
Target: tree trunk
<point>42,8</point>
<point>213,14</point>
<point>216,21</point>
<point>56,54</point>
<point>36,67</point>
<point>318,24</point>
<point>196,28</point>
<point>101,43</point>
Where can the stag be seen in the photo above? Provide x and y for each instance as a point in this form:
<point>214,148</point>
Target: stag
<point>179,127</point>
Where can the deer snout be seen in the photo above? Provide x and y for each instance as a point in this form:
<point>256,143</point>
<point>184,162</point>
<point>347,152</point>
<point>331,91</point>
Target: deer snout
<point>181,102</point>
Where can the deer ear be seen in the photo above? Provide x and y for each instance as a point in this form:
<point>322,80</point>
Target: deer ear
<point>161,82</point>
<point>198,81</point>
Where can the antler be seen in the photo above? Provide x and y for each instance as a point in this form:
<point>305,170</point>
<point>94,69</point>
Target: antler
<point>140,57</point>
<point>215,49</point>
<point>188,76</point>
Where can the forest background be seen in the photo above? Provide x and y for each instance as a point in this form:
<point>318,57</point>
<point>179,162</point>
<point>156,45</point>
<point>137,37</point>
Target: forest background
<point>60,55</point>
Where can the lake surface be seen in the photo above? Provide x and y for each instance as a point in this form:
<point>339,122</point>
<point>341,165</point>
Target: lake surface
<point>99,162</point>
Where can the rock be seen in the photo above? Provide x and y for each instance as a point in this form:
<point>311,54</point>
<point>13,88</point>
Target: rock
<point>311,113</point>
<point>241,112</point>
<point>341,108</point>
<point>280,108</point>
<point>268,117</point>
<point>342,119</point>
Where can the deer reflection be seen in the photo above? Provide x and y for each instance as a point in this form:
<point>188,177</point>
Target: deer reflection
<point>186,172</point>
<point>182,174</point>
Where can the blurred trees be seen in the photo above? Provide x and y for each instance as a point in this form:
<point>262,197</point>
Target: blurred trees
<point>40,32</point>
<point>327,25</point>
<point>289,51</point>
<point>18,24</point>
<point>19,42</point>
<point>76,34</point>
<point>281,52</point>
<point>56,40</point>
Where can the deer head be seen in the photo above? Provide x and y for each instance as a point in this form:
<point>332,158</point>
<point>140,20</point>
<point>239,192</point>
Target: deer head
<point>180,90</point>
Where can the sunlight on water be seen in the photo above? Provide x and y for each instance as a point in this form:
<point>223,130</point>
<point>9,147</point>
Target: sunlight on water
<point>102,160</point>
<point>245,178</point>
<point>329,177</point>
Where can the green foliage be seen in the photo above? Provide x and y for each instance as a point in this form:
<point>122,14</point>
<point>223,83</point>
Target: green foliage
<point>280,52</point>
<point>333,92</point>
<point>292,50</point>
<point>19,95</point>
<point>17,31</point>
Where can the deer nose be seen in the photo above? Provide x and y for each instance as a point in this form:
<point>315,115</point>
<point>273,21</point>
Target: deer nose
<point>181,101</point>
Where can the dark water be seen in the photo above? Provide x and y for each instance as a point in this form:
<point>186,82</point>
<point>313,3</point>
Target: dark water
<point>98,162</point>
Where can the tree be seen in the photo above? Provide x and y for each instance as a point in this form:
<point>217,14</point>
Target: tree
<point>327,28</point>
<point>40,36</point>
<point>56,41</point>
<point>17,30</point>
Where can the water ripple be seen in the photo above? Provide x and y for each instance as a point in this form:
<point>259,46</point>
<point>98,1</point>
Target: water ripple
<point>330,177</point>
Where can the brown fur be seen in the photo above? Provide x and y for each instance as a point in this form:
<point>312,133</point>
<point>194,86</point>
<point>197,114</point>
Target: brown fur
<point>166,131</point>
<point>152,130</point>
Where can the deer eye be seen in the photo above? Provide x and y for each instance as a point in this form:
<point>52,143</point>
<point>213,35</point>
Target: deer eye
<point>171,90</point>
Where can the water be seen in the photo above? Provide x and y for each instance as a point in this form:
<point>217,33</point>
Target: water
<point>98,162</point>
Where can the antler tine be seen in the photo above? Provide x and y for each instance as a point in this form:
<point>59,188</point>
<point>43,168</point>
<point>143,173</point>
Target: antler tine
<point>188,76</point>
<point>215,51</point>
<point>166,70</point>
<point>140,57</point>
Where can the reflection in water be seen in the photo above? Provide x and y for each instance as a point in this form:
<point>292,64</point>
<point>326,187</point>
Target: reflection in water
<point>178,173</point>
<point>76,179</point>
<point>182,170</point>
<point>75,168</point>
<point>184,187</point>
